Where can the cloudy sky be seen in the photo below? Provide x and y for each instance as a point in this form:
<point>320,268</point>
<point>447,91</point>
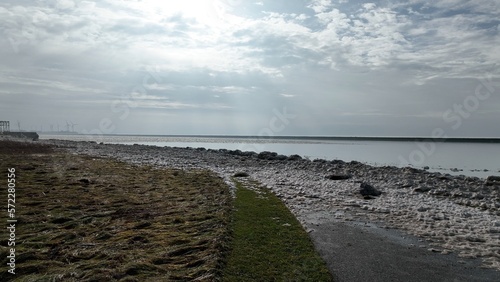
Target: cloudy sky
<point>263,67</point>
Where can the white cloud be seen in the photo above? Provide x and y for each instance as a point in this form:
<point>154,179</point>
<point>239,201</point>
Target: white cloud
<point>313,57</point>
<point>320,5</point>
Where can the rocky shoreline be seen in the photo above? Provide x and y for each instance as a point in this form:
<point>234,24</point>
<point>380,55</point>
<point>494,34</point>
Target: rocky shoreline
<point>456,214</point>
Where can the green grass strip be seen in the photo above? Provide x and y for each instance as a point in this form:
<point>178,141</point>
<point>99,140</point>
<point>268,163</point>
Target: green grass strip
<point>268,243</point>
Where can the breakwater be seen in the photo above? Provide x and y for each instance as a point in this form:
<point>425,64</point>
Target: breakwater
<point>24,135</point>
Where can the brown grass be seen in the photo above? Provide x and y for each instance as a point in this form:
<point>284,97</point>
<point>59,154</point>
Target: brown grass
<point>86,219</point>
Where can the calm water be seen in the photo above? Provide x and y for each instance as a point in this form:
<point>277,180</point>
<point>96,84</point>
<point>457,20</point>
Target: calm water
<point>473,159</point>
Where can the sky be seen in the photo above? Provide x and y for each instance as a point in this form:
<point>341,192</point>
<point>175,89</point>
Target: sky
<point>260,68</point>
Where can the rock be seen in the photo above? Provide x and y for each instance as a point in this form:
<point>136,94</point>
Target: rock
<point>294,158</point>
<point>422,209</point>
<point>281,157</point>
<point>407,184</point>
<point>338,177</point>
<point>477,239</point>
<point>355,163</point>
<point>84,181</point>
<point>236,152</point>
<point>477,196</point>
<point>340,162</point>
<point>422,189</point>
<point>411,170</point>
<point>241,174</point>
<point>368,190</point>
<point>248,154</point>
<point>440,192</point>
<point>492,180</point>
<point>425,167</point>
<point>267,155</point>
<point>445,177</point>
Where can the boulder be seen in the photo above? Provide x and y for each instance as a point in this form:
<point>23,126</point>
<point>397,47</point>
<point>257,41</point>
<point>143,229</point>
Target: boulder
<point>411,170</point>
<point>241,174</point>
<point>248,154</point>
<point>367,190</point>
<point>294,158</point>
<point>422,189</point>
<point>492,180</point>
<point>338,177</point>
<point>267,155</point>
<point>337,162</point>
<point>236,152</point>
<point>281,157</point>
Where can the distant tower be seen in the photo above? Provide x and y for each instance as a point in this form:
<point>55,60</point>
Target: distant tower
<point>4,126</point>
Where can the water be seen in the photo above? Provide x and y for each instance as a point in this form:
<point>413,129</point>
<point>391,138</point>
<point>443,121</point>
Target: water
<point>471,159</point>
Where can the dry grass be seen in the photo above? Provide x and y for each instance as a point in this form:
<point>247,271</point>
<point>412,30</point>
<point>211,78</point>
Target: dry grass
<point>86,219</point>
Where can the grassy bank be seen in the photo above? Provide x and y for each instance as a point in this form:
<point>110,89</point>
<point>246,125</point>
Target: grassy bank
<point>82,218</point>
<point>268,242</point>
<point>87,219</point>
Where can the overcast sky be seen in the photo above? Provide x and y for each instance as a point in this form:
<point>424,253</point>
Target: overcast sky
<point>275,67</point>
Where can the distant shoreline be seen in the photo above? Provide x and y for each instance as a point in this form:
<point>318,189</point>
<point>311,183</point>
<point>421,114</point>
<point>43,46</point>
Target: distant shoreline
<point>324,138</point>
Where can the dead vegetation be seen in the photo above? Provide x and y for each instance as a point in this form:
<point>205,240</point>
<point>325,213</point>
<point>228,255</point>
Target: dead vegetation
<point>88,219</point>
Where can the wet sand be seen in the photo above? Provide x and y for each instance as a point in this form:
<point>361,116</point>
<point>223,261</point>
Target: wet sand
<point>366,252</point>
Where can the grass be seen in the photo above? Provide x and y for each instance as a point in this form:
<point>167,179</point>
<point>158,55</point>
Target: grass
<point>269,244</point>
<point>96,219</point>
<point>87,219</point>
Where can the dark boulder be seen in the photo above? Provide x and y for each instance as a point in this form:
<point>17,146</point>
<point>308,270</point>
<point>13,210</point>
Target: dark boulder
<point>337,162</point>
<point>492,180</point>
<point>338,176</point>
<point>367,190</point>
<point>248,154</point>
<point>294,158</point>
<point>281,157</point>
<point>422,189</point>
<point>235,152</point>
<point>267,155</point>
<point>241,174</point>
<point>411,170</point>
